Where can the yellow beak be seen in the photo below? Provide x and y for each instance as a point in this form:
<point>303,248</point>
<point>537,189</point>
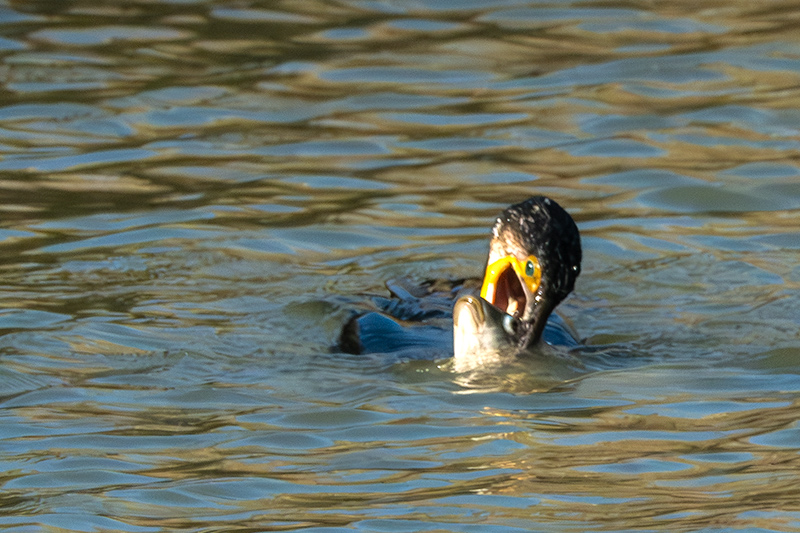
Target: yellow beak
<point>528,272</point>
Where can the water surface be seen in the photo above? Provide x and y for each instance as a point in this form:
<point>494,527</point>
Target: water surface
<point>196,195</point>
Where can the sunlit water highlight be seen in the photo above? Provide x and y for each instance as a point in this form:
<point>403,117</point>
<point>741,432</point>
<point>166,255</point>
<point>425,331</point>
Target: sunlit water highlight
<point>196,195</point>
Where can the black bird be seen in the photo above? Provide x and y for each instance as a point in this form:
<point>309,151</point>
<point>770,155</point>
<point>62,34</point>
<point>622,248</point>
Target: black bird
<point>534,260</point>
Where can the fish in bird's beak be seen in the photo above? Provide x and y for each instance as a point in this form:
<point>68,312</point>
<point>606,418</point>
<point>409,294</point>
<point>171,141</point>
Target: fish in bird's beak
<point>534,260</point>
<point>482,333</point>
<point>488,329</point>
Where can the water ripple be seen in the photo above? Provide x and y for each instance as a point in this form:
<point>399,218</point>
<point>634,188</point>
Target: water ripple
<point>197,197</point>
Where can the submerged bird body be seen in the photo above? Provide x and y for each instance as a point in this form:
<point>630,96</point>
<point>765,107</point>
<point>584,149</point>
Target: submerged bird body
<point>533,262</point>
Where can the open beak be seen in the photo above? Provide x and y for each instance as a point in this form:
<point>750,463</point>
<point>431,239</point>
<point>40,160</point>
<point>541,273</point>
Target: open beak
<point>503,286</point>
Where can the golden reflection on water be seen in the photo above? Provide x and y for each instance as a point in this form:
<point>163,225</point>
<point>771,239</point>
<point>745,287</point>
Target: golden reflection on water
<point>196,196</point>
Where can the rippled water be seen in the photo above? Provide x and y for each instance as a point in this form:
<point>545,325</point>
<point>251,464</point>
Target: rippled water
<point>196,195</point>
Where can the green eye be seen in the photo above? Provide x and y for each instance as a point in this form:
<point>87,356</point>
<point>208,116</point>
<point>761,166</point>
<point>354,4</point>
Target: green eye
<point>529,268</point>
